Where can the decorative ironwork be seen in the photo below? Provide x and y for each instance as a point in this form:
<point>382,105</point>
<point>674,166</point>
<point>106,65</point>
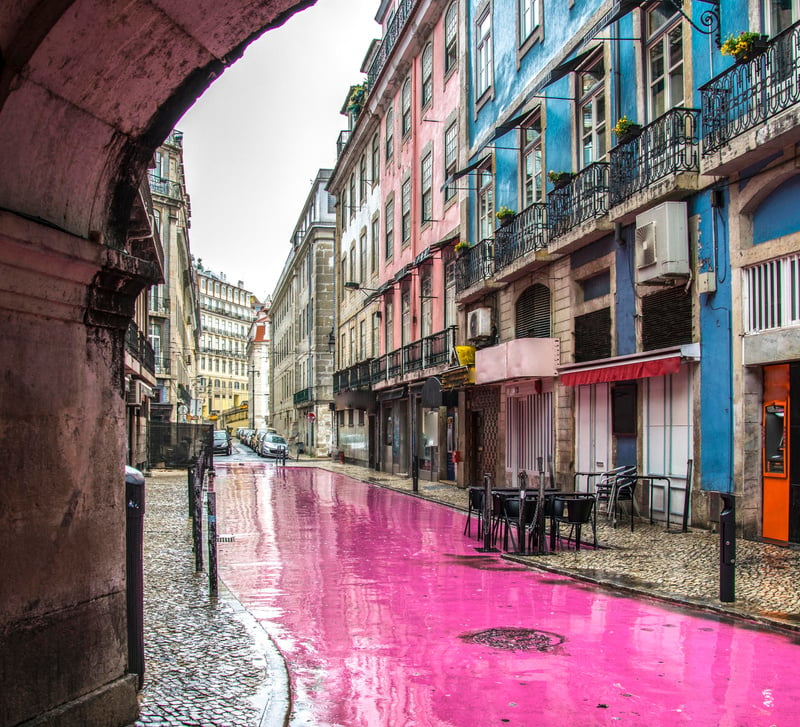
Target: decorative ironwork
<point>475,264</point>
<point>341,142</point>
<point>584,198</point>
<point>667,146</point>
<point>751,92</point>
<point>165,187</point>
<point>709,18</point>
<point>390,37</point>
<point>424,353</point>
<point>526,233</point>
<point>302,396</point>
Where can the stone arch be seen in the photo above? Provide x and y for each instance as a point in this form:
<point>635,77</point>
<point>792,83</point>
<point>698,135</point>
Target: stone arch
<point>88,91</point>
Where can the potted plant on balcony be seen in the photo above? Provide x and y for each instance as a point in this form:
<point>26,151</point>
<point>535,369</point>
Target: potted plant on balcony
<point>505,215</point>
<point>559,179</point>
<point>745,46</point>
<point>462,246</point>
<point>358,95</point>
<point>625,129</point>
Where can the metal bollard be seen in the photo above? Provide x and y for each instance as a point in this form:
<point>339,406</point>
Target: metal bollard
<point>197,523</point>
<point>134,570</point>
<point>487,515</point>
<point>213,581</point>
<point>523,486</point>
<point>727,548</point>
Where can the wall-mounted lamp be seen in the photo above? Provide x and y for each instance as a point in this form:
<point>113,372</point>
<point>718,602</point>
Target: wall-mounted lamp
<point>331,341</point>
<point>353,285</point>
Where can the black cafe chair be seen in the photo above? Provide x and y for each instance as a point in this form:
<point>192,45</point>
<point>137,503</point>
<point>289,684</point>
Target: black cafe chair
<point>575,511</point>
<point>511,521</point>
<point>475,504</point>
<point>624,491</point>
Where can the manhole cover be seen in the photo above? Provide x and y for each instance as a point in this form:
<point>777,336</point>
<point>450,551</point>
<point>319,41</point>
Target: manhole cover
<point>516,639</point>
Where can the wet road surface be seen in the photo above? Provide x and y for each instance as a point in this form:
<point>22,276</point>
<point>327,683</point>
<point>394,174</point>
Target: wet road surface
<point>387,615</point>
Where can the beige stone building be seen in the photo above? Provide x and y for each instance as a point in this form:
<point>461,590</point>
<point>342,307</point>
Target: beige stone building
<point>226,316</point>
<point>174,313</point>
<point>303,326</point>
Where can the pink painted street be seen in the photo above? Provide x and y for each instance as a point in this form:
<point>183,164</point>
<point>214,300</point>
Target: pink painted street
<point>386,614</point>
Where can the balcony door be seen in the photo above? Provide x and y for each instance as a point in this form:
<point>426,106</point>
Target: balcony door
<point>779,15</point>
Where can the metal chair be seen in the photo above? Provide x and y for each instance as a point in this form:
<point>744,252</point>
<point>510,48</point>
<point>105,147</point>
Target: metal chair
<point>575,510</point>
<point>475,500</point>
<point>624,491</point>
<point>511,520</point>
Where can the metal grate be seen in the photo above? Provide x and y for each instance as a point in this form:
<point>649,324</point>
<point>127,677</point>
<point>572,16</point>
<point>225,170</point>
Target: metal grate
<point>593,335</point>
<point>515,639</point>
<point>666,319</point>
<point>225,538</point>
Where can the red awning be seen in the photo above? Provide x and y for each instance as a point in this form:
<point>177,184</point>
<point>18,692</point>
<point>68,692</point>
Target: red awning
<point>622,371</point>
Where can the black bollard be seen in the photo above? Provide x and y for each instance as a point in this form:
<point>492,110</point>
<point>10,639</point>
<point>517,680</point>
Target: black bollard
<point>487,516</point>
<point>213,582</point>
<point>727,548</point>
<point>197,523</point>
<point>523,487</point>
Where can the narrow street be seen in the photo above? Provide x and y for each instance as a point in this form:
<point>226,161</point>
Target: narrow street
<point>387,615</point>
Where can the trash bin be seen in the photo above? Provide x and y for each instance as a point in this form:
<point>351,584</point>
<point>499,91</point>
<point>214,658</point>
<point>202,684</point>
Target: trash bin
<point>134,569</point>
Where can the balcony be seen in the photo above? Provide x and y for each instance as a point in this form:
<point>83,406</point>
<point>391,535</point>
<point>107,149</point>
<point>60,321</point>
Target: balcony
<point>517,244</point>
<point>355,377</point>
<point>301,397</point>
<point>661,163</point>
<point>159,305</point>
<point>474,270</point>
<point>520,358</point>
<point>164,187</point>
<point>163,367</point>
<point>578,212</point>
<point>751,110</point>
<point>407,362</point>
<point>389,40</point>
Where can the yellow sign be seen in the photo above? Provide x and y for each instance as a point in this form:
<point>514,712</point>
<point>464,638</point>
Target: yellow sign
<point>466,355</point>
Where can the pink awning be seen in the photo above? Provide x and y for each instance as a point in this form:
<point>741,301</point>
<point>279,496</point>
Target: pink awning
<point>622,371</point>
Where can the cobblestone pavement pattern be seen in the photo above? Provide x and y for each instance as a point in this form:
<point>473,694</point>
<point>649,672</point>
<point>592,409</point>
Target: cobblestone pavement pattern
<point>205,660</point>
<point>208,664</point>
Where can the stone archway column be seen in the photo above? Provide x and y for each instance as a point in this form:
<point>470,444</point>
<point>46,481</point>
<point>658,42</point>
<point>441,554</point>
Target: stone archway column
<point>64,305</point>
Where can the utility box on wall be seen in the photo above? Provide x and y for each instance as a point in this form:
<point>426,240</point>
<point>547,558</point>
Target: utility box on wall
<point>662,244</point>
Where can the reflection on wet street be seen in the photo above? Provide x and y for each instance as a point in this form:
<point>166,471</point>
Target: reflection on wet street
<point>387,615</point>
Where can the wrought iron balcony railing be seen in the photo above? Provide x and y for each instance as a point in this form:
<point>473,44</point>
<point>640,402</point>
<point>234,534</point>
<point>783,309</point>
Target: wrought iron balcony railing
<point>526,233</point>
<point>164,187</point>
<point>424,353</point>
<point>341,142</point>
<point>750,93</point>
<point>475,264</point>
<point>584,198</point>
<point>159,304</point>
<point>393,32</point>
<point>139,347</point>
<point>354,377</point>
<point>667,146</point>
<point>162,365</point>
<point>300,397</point>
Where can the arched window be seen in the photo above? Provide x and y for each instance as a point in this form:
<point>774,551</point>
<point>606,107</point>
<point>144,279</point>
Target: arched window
<point>533,313</point>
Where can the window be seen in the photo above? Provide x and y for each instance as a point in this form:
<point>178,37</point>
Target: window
<point>362,257</point>
<point>362,340</point>
<point>483,55</point>
<point>352,194</point>
<point>530,18</point>
<point>532,180</point>
<point>405,109</point>
<point>532,315</point>
<point>426,178</point>
<point>593,112</point>
<point>405,301</point>
<point>389,326</point>
<point>485,204</point>
<point>779,15</point>
<point>376,160</point>
<point>376,335</point>
<point>426,305</point>
<point>362,178</point>
<point>405,202</point>
<point>352,263</point>
<point>376,226</point>
<point>427,76</point>
<point>450,158</point>
<point>389,229</point>
<point>389,134</point>
<point>450,308</point>
<point>664,60</point>
<point>451,37</point>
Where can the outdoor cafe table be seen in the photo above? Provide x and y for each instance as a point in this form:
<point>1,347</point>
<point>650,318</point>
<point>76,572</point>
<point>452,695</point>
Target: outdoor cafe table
<point>532,494</point>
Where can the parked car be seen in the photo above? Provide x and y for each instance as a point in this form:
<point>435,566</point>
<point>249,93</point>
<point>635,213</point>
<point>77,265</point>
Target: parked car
<point>222,442</point>
<point>273,445</point>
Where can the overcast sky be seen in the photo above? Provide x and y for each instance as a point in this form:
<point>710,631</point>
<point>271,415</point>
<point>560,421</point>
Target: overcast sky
<point>253,143</point>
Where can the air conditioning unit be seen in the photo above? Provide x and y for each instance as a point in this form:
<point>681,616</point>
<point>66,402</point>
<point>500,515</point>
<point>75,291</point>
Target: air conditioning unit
<point>662,244</point>
<point>479,324</point>
<point>132,395</point>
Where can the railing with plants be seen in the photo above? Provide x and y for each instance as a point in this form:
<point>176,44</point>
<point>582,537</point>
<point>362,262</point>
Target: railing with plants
<point>390,37</point>
<point>667,146</point>
<point>752,91</point>
<point>585,197</point>
<point>475,264</point>
<point>526,233</point>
